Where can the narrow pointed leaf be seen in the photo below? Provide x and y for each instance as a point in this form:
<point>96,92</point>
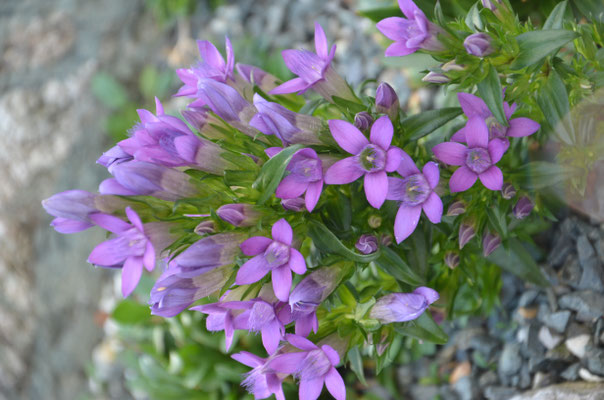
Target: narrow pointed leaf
<point>556,17</point>
<point>326,241</point>
<point>491,92</point>
<point>517,260</point>
<point>272,172</point>
<point>419,125</point>
<point>423,328</point>
<point>536,45</point>
<point>393,264</point>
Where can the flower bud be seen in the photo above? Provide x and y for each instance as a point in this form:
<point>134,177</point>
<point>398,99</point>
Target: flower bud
<point>490,242</point>
<point>466,233</point>
<point>508,191</point>
<point>205,228</point>
<point>523,207</point>
<point>479,44</point>
<point>452,66</point>
<point>401,307</point>
<point>363,120</point>
<point>367,244</point>
<point>456,208</point>
<point>489,4</point>
<point>239,215</point>
<point>435,77</point>
<point>374,221</point>
<point>386,240</point>
<point>296,204</point>
<point>452,259</point>
<point>386,101</point>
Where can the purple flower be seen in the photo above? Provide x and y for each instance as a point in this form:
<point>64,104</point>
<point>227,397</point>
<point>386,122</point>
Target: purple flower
<point>213,67</point>
<point>261,381</point>
<point>173,292</point>
<point>401,307</point>
<point>371,159</point>
<point>456,208</point>
<point>415,192</point>
<point>508,191</point>
<point>314,71</point>
<point>274,255</point>
<point>313,366</point>
<point>523,207</point>
<point>296,204</point>
<point>288,126</point>
<point>479,44</point>
<point>386,101</point>
<point>477,160</point>
<point>308,295</point>
<point>412,33</point>
<point>256,76</point>
<point>436,77</point>
<point>452,259</point>
<point>363,120</point>
<point>474,106</point>
<point>240,215</point>
<point>305,176</point>
<point>205,228</point>
<point>490,242</point>
<point>489,4</point>
<point>130,249</point>
<point>71,209</point>
<point>466,233</point>
<point>114,156</point>
<point>223,100</point>
<point>367,244</point>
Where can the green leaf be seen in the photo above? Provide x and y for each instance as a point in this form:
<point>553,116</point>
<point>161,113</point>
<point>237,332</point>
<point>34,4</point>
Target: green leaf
<point>272,171</point>
<point>419,125</point>
<point>556,17</point>
<point>423,328</point>
<point>498,221</point>
<point>492,94</point>
<point>349,105</point>
<point>536,45</point>
<point>356,364</point>
<point>130,312</point>
<point>326,241</point>
<point>394,265</point>
<point>553,101</point>
<point>310,106</point>
<point>378,14</point>
<point>473,20</point>
<point>517,260</point>
<point>109,91</point>
<point>542,174</point>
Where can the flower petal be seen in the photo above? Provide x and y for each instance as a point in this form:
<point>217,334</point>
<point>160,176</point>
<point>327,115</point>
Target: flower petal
<point>110,252</point>
<point>450,153</point>
<point>282,282</point>
<point>131,274</point>
<point>64,225</point>
<point>271,336</point>
<point>249,359</point>
<point>376,188</point>
<point>210,54</point>
<point>134,218</point>
<point>459,136</point>
<point>282,232</point>
<point>149,257</point>
<point>394,155</point>
<point>255,245</point>
<point>288,363</point>
<point>431,295</point>
<point>497,147</point>
<point>334,357</point>
<point>300,342</point>
<point>344,171</point>
<point>291,86</point>
<point>462,180</point>
<point>430,172</point>
<point>392,28</point>
<point>406,221</point>
<point>290,188</point>
<point>473,106</point>
<point>492,178</point>
<point>347,136</point>
<point>320,42</point>
<point>109,222</point>
<point>310,389</point>
<point>381,132</point>
<point>252,271</point>
<point>407,166</point>
<point>335,384</point>
<point>399,49</point>
<point>297,262</point>
<point>477,133</point>
<point>313,192</point>
<point>433,208</point>
<point>520,127</point>
<point>409,8</point>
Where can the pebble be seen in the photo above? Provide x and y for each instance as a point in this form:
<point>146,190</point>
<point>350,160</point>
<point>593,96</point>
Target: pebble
<point>484,344</point>
<point>589,377</point>
<point>595,362</point>
<point>588,304</point>
<point>510,360</point>
<point>549,339</point>
<point>461,370</point>
<point>592,276</point>
<point>499,393</point>
<point>557,321</point>
<point>571,373</point>
<point>577,345</point>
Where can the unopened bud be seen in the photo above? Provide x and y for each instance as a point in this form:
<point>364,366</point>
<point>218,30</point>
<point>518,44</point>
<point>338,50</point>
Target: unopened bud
<point>436,77</point>
<point>205,228</point>
<point>466,233</point>
<point>363,120</point>
<point>523,207</point>
<point>452,259</point>
<point>456,208</point>
<point>374,221</point>
<point>296,204</point>
<point>490,242</point>
<point>508,191</point>
<point>479,44</point>
<point>386,100</point>
<point>367,244</point>
<point>240,215</point>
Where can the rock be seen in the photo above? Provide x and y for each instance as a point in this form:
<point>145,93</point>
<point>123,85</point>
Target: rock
<point>543,379</point>
<point>525,377</point>
<point>564,391</point>
<point>570,273</point>
<point>528,298</point>
<point>527,313</point>
<point>461,370</point>
<point>533,346</point>
<point>588,304</point>
<point>577,345</point>
<point>598,330</point>
<point>489,378</point>
<point>592,276</point>
<point>424,392</point>
<point>484,344</point>
<point>589,377</point>
<point>595,361</point>
<point>549,339</point>
<point>557,320</point>
<point>571,373</point>
<point>466,388</point>
<point>499,393</point>
<point>510,360</point>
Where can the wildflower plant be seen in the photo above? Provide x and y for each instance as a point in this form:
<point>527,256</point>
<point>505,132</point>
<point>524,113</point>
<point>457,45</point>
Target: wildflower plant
<point>252,207</point>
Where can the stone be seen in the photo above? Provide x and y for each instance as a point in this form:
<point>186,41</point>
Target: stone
<point>570,273</point>
<point>424,392</point>
<point>525,377</point>
<point>488,378</point>
<point>527,313</point>
<point>461,370</point>
<point>577,345</point>
<point>528,298</point>
<point>595,361</point>
<point>484,344</point>
<point>499,392</point>
<point>564,391</point>
<point>589,377</point>
<point>549,339</point>
<point>466,388</point>
<point>543,379</point>
<point>557,321</point>
<point>598,330</point>
<point>571,373</point>
<point>510,360</point>
<point>588,304</point>
<point>593,275</point>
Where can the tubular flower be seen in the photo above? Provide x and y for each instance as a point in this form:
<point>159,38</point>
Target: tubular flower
<point>261,381</point>
<point>386,101</point>
<point>401,307</point>
<point>239,214</point>
<point>272,255</point>
<point>415,192</point>
<point>479,44</point>
<point>477,160</point>
<point>305,176</point>
<point>412,33</point>
<point>71,209</point>
<point>370,158</point>
<point>523,208</point>
<point>314,71</point>
<point>367,244</point>
<point>130,249</point>
<point>474,106</point>
<point>313,366</point>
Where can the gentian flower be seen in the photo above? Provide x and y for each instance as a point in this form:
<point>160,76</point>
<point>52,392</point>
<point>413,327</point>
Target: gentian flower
<point>220,318</point>
<point>363,120</point>
<point>261,381</point>
<point>415,192</point>
<point>477,160</point>
<point>240,215</point>
<point>452,259</point>
<point>314,71</point>
<point>490,242</point>
<point>305,176</point>
<point>410,34</point>
<point>369,158</point>
<point>523,208</point>
<point>114,156</point>
<point>256,76</point>
<point>466,233</point>
<point>367,244</point>
<point>401,307</point>
<point>474,106</point>
<point>479,44</point>
<point>313,366</point>
<point>71,209</point>
<point>508,191</point>
<point>386,101</point>
<point>275,255</point>
<point>130,249</point>
<point>212,66</point>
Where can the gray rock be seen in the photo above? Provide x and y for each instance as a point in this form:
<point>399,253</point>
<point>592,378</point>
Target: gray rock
<point>592,276</point>
<point>489,378</point>
<point>564,391</point>
<point>528,298</point>
<point>570,273</point>
<point>424,392</point>
<point>557,321</point>
<point>466,388</point>
<point>484,344</point>
<point>588,304</point>
<point>549,339</point>
<point>525,377</point>
<point>571,373</point>
<point>577,345</point>
<point>598,330</point>
<point>510,360</point>
<point>595,361</point>
<point>499,393</point>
